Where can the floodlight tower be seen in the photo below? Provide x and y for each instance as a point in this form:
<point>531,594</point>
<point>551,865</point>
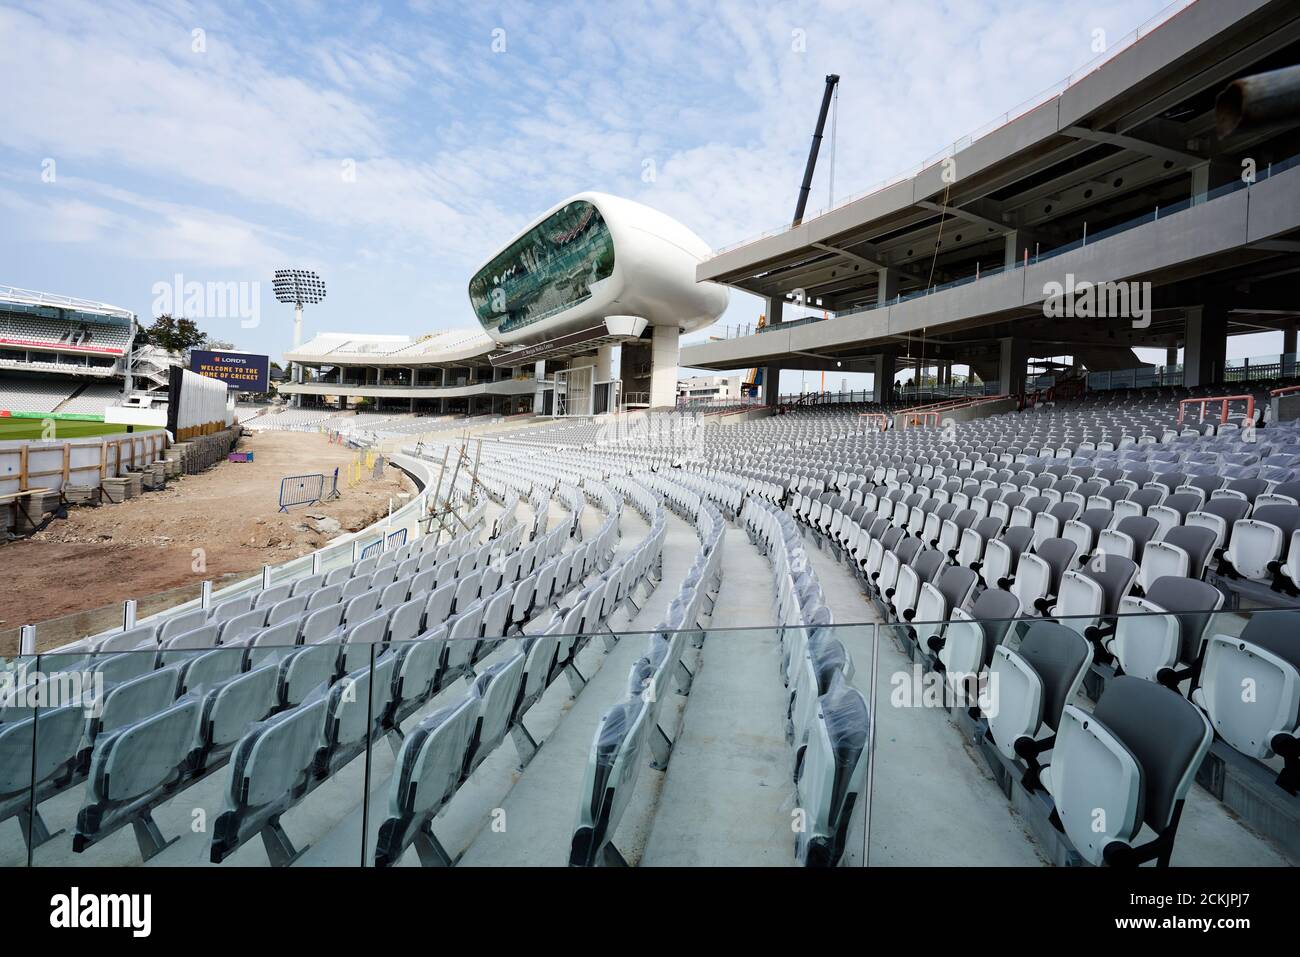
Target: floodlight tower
<point>298,286</point>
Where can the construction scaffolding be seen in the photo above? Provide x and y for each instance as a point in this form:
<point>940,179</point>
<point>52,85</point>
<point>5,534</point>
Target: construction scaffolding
<point>445,507</point>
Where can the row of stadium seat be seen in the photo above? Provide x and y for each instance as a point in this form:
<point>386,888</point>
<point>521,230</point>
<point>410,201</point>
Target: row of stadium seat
<point>55,333</point>
<point>19,393</point>
<point>969,546</point>
<point>631,730</point>
<point>330,640</point>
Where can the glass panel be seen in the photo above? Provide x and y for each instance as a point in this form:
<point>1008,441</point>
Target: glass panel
<point>550,268</point>
<point>651,749</point>
<point>695,748</point>
<point>185,756</point>
<point>19,713</point>
<point>455,780</point>
<point>933,799</point>
<point>64,629</point>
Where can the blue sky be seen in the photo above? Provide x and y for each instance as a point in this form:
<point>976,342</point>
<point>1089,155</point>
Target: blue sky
<point>394,146</point>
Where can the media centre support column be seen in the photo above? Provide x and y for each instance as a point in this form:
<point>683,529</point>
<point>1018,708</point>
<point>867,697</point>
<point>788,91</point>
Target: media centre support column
<point>663,366</point>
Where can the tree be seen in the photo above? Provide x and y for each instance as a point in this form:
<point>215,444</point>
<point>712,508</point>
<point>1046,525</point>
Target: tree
<point>174,335</point>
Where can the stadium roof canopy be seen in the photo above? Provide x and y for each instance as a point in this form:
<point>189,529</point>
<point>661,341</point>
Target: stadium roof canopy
<point>31,300</point>
<point>1117,174</point>
<point>458,346</point>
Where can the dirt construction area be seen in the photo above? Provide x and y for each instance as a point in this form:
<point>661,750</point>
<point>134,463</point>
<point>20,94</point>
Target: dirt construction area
<point>225,522</point>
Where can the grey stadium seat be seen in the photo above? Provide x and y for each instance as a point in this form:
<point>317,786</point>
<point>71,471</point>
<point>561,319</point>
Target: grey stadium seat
<point>1266,658</point>
<point>1130,762</point>
<point>1035,682</point>
<point>1154,633</point>
<point>832,774</point>
<point>428,772</point>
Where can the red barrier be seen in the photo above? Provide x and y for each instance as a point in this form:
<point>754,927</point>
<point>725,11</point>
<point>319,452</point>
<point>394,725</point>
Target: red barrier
<point>1223,400</point>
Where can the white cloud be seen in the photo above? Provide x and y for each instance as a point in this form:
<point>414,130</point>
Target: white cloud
<point>240,150</point>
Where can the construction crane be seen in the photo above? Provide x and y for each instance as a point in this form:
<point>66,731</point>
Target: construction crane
<point>832,81</point>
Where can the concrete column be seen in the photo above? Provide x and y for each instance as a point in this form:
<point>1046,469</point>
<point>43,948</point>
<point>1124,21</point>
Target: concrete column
<point>882,376</point>
<point>1014,251</point>
<point>775,310</point>
<point>771,385</point>
<point>1200,182</point>
<point>888,286</point>
<point>663,366</point>
<point>1011,366</point>
<point>539,394</point>
<point>1205,344</point>
<point>1171,356</point>
<point>604,364</point>
<point>1288,350</point>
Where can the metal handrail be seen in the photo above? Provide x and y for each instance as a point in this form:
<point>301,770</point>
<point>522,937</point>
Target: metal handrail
<point>950,405</point>
<point>1224,400</point>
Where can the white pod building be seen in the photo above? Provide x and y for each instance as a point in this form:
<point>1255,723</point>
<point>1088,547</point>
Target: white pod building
<point>593,271</point>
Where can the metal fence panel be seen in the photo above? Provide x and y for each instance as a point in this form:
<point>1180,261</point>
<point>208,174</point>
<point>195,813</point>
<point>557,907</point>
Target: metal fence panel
<point>301,490</point>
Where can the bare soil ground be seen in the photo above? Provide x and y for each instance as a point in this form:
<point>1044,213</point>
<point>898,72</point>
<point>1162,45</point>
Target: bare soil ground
<point>101,556</point>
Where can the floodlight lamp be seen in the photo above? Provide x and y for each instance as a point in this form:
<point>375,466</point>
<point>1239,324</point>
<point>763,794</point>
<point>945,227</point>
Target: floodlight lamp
<point>298,286</point>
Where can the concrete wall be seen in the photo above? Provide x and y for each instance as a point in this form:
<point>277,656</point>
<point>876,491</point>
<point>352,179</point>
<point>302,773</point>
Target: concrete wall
<point>1286,407</point>
<point>1202,232</point>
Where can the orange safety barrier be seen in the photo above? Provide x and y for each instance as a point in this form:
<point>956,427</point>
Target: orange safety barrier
<point>931,414</point>
<point>920,418</point>
<point>1285,390</point>
<point>1223,400</point>
<point>949,405</point>
<point>871,418</point>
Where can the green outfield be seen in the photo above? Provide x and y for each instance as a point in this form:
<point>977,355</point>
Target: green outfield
<point>14,428</point>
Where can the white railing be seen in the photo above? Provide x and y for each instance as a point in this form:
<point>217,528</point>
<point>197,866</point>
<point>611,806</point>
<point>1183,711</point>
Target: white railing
<point>32,297</point>
<point>342,551</point>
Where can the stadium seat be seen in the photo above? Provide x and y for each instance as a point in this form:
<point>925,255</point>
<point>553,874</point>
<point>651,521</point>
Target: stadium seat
<point>429,769</point>
<point>1266,660</point>
<point>1129,763</point>
<point>1149,639</point>
<point>1035,682</point>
